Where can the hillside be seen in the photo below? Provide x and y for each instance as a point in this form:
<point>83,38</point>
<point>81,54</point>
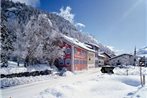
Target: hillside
<point>17,19</point>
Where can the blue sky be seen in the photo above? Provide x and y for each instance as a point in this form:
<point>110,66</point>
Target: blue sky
<point>118,23</point>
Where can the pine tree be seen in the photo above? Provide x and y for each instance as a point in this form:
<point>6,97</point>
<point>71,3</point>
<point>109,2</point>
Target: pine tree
<point>6,41</point>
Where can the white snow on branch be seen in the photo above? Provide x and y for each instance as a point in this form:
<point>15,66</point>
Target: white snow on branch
<point>80,26</point>
<point>66,14</point>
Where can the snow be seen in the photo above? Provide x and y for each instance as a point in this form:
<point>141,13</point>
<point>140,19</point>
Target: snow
<point>76,42</point>
<point>67,73</point>
<point>87,84</point>
<point>131,71</point>
<point>105,86</point>
<point>9,82</point>
<point>101,55</point>
<point>13,68</point>
<point>12,8</point>
<point>66,14</point>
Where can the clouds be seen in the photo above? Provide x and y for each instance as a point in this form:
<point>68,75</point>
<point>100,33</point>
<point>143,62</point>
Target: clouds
<point>33,3</point>
<point>116,51</point>
<point>66,14</point>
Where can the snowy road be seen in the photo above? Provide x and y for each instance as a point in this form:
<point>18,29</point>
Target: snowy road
<point>34,88</point>
<point>87,84</point>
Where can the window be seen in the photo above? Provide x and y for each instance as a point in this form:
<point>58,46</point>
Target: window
<point>75,50</point>
<point>68,62</point>
<point>84,62</point>
<point>75,61</point>
<point>61,62</point>
<point>83,53</point>
<point>68,51</point>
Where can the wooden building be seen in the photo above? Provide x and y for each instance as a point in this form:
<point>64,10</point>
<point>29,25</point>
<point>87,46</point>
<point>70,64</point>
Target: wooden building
<point>77,55</point>
<point>95,47</point>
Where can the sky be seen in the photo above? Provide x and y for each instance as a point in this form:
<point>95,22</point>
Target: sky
<point>119,24</point>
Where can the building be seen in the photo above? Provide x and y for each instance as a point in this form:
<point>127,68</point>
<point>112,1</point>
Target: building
<point>100,61</point>
<point>101,58</point>
<point>96,48</point>
<point>107,57</point>
<point>123,59</point>
<point>77,55</point>
<point>143,56</point>
<point>91,59</point>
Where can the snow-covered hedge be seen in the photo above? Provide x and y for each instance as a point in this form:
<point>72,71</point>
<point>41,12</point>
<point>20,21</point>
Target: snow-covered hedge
<point>8,82</point>
<point>26,74</point>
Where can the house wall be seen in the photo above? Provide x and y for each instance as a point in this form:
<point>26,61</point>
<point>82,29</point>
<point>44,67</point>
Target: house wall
<point>66,61</point>
<point>100,61</point>
<point>80,59</point>
<point>124,60</point>
<point>76,58</point>
<point>91,59</point>
<point>106,59</point>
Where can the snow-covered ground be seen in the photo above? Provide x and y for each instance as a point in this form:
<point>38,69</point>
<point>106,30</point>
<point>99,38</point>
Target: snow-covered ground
<point>13,68</point>
<point>86,84</point>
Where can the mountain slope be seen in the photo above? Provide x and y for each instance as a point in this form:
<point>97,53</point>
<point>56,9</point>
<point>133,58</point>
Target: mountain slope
<point>21,14</point>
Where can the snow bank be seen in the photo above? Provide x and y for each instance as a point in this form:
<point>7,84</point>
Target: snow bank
<point>102,86</point>
<point>68,73</point>
<point>8,82</point>
<point>13,68</point>
<point>39,67</point>
<point>131,70</point>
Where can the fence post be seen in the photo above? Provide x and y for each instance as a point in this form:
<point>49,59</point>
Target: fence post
<point>141,76</point>
<point>143,80</point>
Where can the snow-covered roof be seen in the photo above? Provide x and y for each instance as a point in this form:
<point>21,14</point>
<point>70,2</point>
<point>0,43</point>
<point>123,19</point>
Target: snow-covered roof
<point>76,42</point>
<point>88,46</point>
<point>120,56</point>
<point>93,44</point>
<point>101,55</point>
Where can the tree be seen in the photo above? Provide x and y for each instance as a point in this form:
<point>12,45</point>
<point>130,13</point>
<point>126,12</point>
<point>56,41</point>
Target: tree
<point>42,40</point>
<point>66,14</point>
<point>52,49</point>
<point>19,43</point>
<point>6,41</point>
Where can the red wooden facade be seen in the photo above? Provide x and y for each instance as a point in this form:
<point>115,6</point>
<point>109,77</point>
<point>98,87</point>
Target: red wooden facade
<point>80,58</point>
<point>66,61</point>
<point>77,55</point>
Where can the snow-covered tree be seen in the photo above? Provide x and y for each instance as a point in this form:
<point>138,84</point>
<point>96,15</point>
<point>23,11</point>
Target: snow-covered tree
<point>52,49</point>
<point>41,39</point>
<point>19,43</point>
<point>6,41</point>
<point>66,14</point>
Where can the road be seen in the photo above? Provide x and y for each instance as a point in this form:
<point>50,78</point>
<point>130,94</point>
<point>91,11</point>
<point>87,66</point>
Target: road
<point>33,89</point>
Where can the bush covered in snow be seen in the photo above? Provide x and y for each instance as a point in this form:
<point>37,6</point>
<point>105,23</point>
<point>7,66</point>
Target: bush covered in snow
<point>8,82</point>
